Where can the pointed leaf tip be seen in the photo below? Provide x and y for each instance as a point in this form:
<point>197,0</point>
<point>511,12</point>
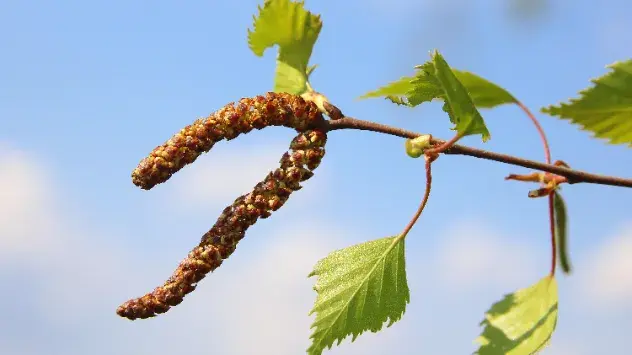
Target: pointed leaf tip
<point>458,102</point>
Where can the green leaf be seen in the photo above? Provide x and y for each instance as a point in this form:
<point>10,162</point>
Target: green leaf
<point>459,104</point>
<point>436,80</point>
<point>399,100</point>
<point>604,109</point>
<point>287,24</point>
<point>416,90</point>
<point>484,93</point>
<point>359,288</point>
<point>426,85</point>
<point>561,232</point>
<point>522,322</point>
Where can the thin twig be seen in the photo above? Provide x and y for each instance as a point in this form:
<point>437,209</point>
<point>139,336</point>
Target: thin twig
<point>433,153</point>
<point>573,176</point>
<point>424,201</point>
<point>430,155</point>
<point>545,142</point>
<point>547,155</point>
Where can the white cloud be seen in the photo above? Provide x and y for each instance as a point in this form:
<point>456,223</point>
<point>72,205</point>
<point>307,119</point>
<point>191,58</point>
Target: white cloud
<point>608,275</point>
<point>49,250</point>
<point>471,255</point>
<point>26,207</point>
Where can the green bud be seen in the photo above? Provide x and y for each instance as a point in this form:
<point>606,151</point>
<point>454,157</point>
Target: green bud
<point>415,147</point>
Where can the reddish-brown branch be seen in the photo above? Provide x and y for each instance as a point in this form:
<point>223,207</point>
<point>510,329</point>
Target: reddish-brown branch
<point>573,176</point>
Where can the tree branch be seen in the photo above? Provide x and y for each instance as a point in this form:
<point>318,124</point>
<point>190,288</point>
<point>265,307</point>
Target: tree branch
<point>573,176</point>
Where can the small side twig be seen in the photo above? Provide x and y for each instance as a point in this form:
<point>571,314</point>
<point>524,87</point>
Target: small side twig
<point>549,186</point>
<point>434,152</point>
<point>545,142</point>
<point>430,156</point>
<point>424,201</point>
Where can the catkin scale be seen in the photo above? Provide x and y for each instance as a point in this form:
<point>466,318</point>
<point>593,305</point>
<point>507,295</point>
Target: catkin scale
<point>306,152</point>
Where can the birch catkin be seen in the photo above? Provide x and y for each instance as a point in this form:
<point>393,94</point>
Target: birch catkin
<point>297,165</point>
<point>273,109</point>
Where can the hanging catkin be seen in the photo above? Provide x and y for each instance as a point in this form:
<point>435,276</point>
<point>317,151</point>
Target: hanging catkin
<point>297,165</point>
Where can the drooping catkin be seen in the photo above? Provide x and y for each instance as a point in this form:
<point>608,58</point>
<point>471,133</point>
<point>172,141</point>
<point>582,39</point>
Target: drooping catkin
<point>297,165</point>
<point>273,109</point>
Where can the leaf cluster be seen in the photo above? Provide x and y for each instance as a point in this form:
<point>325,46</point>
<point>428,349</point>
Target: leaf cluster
<point>362,287</point>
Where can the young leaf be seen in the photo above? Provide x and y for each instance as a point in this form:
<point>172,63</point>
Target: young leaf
<point>414,91</point>
<point>436,80</point>
<point>561,232</point>
<point>606,108</point>
<point>461,107</point>
<point>426,86</point>
<point>399,100</point>
<point>484,93</point>
<point>359,288</point>
<point>522,322</point>
<point>287,24</point>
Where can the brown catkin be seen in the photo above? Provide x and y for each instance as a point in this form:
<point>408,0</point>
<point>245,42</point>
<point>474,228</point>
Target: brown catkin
<point>273,109</point>
<point>297,165</point>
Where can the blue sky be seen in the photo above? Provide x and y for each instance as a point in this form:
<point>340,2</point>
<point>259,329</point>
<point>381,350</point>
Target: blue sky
<point>88,88</point>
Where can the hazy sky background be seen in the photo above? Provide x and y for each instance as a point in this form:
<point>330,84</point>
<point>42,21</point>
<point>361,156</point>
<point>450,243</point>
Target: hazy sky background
<point>87,88</point>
